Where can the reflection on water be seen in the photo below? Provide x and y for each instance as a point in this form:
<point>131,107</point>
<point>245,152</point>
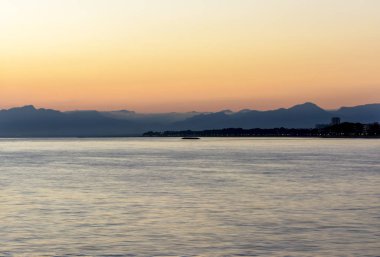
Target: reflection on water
<point>216,197</point>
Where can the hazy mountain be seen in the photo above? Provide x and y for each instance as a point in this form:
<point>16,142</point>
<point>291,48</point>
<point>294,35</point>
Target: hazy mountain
<point>31,122</point>
<point>28,121</point>
<point>299,116</point>
<point>361,113</point>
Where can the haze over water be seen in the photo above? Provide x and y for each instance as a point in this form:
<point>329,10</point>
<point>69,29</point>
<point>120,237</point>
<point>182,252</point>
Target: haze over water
<point>169,197</point>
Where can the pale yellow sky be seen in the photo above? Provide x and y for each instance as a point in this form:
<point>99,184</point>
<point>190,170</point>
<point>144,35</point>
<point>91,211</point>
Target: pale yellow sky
<point>180,55</point>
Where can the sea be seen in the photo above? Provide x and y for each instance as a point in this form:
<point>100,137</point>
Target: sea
<point>174,197</point>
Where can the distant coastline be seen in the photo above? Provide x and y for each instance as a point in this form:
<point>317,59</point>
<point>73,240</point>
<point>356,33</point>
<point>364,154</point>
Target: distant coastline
<point>31,122</point>
<point>343,130</point>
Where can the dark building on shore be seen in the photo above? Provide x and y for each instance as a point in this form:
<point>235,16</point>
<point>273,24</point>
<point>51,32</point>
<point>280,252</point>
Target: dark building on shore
<point>335,121</point>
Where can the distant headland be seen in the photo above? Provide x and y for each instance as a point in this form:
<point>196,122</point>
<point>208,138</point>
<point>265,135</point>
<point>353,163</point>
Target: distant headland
<point>341,130</point>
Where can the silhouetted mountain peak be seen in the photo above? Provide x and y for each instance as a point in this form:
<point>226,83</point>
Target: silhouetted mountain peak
<point>244,111</point>
<point>124,111</point>
<point>29,107</point>
<point>26,108</point>
<point>306,106</point>
<point>227,111</point>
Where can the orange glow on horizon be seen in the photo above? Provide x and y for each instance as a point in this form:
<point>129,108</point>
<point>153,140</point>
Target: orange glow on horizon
<point>179,55</point>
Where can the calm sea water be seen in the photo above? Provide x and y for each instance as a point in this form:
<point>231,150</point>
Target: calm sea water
<point>171,197</point>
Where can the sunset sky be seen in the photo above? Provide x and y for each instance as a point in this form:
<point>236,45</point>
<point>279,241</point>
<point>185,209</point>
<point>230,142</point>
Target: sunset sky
<point>183,55</point>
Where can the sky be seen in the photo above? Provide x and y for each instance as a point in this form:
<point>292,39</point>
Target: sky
<point>181,55</point>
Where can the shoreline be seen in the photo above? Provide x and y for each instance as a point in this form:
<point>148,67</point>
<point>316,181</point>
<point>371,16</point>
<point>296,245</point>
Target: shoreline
<point>139,136</point>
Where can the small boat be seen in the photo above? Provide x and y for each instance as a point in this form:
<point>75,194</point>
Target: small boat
<point>191,138</point>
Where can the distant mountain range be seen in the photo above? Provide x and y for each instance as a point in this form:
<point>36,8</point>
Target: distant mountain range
<point>28,121</point>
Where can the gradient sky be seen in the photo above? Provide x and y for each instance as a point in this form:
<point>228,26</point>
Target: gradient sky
<point>182,55</point>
